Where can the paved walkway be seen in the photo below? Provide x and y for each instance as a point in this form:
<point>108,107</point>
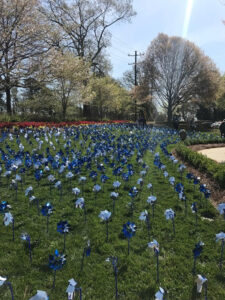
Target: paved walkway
<point>217,154</point>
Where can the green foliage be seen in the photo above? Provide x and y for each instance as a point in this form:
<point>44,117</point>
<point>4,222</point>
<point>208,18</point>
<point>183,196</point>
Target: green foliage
<point>201,162</point>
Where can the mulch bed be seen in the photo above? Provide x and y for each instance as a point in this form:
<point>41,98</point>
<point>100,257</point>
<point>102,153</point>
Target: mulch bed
<point>217,194</point>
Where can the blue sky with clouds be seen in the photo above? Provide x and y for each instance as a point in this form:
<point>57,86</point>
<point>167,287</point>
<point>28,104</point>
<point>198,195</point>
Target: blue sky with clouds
<point>200,21</point>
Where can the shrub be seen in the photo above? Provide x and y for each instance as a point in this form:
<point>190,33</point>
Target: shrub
<point>213,169</point>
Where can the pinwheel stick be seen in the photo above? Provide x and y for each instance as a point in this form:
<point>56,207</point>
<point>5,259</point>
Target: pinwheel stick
<point>37,202</point>
<point>205,288</point>
<point>114,205</point>
<point>11,289</point>
<point>153,210</point>
<point>194,267</point>
<point>82,189</point>
<point>128,245</point>
<point>80,292</point>
<point>221,256</point>
<point>107,230</point>
<point>16,192</point>
<point>116,271</point>
<point>60,194</point>
<point>47,223</point>
<point>53,285</point>
<point>85,213</point>
<point>82,261</point>
<point>64,242</point>
<point>185,206</point>
<point>196,218</point>
<point>173,226</point>
<point>95,197</point>
<point>148,226</point>
<point>157,265</point>
<point>13,230</point>
<point>29,245</point>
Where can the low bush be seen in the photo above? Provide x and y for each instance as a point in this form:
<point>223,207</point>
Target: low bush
<point>215,170</point>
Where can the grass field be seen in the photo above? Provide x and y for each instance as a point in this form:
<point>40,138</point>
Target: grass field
<point>102,149</point>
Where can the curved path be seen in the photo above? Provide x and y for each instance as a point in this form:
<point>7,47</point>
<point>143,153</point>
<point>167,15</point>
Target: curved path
<point>217,154</point>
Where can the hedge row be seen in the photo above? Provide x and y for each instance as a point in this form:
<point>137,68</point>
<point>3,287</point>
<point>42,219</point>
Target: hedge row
<point>213,169</point>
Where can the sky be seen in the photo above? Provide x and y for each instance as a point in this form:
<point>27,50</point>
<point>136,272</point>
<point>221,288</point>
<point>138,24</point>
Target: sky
<point>199,21</point>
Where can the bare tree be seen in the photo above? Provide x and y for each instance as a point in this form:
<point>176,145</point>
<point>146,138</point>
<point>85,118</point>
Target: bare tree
<point>178,72</point>
<point>84,24</point>
<point>21,31</point>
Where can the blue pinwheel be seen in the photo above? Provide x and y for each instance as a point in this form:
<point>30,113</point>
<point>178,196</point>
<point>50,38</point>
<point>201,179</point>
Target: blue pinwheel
<point>41,295</point>
<point>56,262</point>
<point>86,252</point>
<point>116,184</point>
<point>132,193</point>
<point>170,214</point>
<point>181,169</point>
<point>104,216</point>
<point>221,209</point>
<point>38,175</point>
<point>63,227</point>
<point>8,219</point>
<point>202,280</point>
<point>51,180</point>
<point>76,191</point>
<point>151,200</point>
<point>172,180</point>
<point>129,230</point>
<point>194,209</point>
<point>103,179</point>
<point>196,181</point>
<point>72,288</point>
<point>196,252</point>
<point>14,185</point>
<point>221,237</point>
<point>80,203</point>
<point>93,175</point>
<point>3,281</point>
<point>114,196</point>
<point>140,181</point>
<point>96,189</point>
<point>69,176</point>
<point>190,176</point>
<point>114,261</point>
<point>150,187</point>
<point>82,180</point>
<point>58,185</point>
<point>25,237</point>
<point>160,294</point>
<point>4,206</point>
<point>29,191</point>
<point>144,216</point>
<point>46,211</point>
<point>155,246</point>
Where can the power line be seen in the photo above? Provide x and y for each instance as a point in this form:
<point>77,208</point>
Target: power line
<point>135,78</point>
<point>120,41</point>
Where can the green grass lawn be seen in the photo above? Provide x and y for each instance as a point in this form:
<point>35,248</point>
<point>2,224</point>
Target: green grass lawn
<point>136,271</point>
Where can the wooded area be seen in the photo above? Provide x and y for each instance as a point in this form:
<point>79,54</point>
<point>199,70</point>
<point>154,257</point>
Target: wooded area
<point>53,66</point>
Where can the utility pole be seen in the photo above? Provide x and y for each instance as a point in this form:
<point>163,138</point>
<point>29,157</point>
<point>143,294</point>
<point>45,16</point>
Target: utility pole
<point>135,78</point>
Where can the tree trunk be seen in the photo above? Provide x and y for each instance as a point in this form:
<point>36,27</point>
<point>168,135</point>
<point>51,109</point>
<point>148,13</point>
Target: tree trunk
<point>8,97</point>
<point>64,107</point>
<point>64,112</point>
<point>169,114</point>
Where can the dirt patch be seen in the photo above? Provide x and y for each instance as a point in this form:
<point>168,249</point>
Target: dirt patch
<point>217,194</point>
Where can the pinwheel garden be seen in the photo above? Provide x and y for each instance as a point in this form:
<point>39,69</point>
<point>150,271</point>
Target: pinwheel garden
<point>108,209</point>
